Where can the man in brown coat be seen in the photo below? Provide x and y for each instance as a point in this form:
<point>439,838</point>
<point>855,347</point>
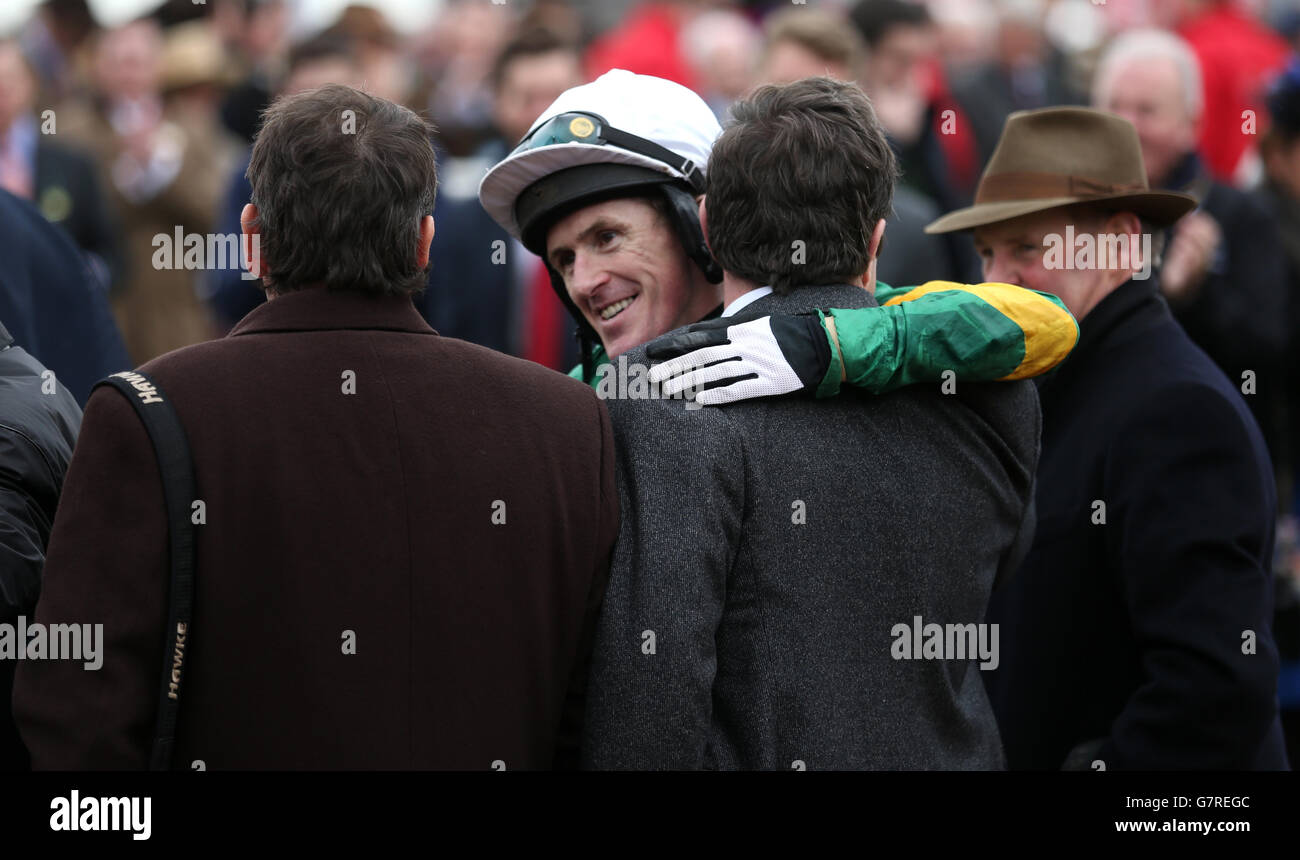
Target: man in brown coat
<point>404,538</point>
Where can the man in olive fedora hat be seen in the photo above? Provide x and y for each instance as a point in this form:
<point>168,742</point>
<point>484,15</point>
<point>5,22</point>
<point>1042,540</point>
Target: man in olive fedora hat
<point>1137,633</point>
<point>1057,157</point>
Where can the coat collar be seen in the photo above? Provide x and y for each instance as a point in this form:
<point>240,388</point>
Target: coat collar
<point>322,309</point>
<point>1130,308</point>
<point>811,298</point>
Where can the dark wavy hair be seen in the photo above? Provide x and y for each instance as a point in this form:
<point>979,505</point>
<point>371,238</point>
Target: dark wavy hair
<point>802,163</point>
<point>341,181</point>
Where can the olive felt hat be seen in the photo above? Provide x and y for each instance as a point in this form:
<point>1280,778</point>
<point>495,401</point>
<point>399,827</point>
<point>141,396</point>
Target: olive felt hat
<point>1061,156</point>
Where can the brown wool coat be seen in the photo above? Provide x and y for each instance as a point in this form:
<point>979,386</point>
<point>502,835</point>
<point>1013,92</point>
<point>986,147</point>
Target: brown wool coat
<point>329,512</point>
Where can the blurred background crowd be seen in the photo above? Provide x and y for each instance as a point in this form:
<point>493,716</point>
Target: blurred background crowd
<point>126,120</point>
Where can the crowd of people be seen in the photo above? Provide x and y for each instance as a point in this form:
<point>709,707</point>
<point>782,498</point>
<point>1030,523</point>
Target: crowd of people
<point>834,197</point>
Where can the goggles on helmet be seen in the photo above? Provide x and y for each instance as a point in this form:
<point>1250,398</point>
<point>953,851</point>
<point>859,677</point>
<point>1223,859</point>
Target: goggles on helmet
<point>592,129</point>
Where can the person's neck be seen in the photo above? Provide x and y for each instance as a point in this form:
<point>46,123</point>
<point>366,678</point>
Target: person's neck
<point>1080,310</point>
<point>733,287</point>
<point>868,280</point>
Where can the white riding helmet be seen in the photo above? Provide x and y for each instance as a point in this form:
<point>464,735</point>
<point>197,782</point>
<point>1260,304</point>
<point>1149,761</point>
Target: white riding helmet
<point>620,134</point>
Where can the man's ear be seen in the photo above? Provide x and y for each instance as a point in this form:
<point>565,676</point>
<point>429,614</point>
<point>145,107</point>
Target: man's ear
<point>877,235</point>
<point>873,248</point>
<point>1129,226</point>
<point>704,223</point>
<point>422,246</point>
<point>1130,223</point>
<point>252,240</point>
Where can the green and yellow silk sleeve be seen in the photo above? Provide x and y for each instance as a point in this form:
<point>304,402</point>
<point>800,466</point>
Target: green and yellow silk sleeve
<point>981,332</point>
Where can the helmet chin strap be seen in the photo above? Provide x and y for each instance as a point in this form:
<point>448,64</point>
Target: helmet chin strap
<point>586,335</point>
<point>684,213</point>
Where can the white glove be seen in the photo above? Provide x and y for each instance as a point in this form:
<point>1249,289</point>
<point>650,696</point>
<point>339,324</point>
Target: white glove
<point>724,361</point>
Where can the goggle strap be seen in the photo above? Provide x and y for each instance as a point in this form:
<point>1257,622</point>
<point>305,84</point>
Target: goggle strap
<point>632,143</point>
<point>650,149</point>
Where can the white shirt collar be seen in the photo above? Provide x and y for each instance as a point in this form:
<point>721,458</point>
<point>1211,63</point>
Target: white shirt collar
<point>746,300</point>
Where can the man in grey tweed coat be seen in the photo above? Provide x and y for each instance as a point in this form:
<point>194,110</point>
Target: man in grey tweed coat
<point>800,584</point>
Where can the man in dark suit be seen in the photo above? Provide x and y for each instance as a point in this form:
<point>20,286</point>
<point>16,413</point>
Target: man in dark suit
<point>405,538</point>
<point>1137,634</point>
<point>1025,71</point>
<point>485,286</point>
<point>767,569</point>
<point>1224,272</point>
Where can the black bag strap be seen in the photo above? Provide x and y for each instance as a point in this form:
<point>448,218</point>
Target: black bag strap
<point>176,467</point>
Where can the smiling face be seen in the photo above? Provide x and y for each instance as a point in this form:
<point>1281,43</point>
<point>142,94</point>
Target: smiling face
<point>627,273</point>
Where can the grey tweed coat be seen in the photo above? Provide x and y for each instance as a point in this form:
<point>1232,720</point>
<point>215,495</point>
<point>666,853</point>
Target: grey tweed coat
<point>769,548</point>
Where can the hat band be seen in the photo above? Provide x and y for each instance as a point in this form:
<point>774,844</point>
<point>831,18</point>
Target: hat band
<point>1026,185</point>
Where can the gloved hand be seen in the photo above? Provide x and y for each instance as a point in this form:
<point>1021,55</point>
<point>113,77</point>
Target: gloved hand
<point>726,360</point>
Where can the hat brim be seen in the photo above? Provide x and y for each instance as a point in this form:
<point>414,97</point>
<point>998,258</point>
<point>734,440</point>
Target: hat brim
<point>1160,207</point>
<point>504,183</point>
<point>543,203</point>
